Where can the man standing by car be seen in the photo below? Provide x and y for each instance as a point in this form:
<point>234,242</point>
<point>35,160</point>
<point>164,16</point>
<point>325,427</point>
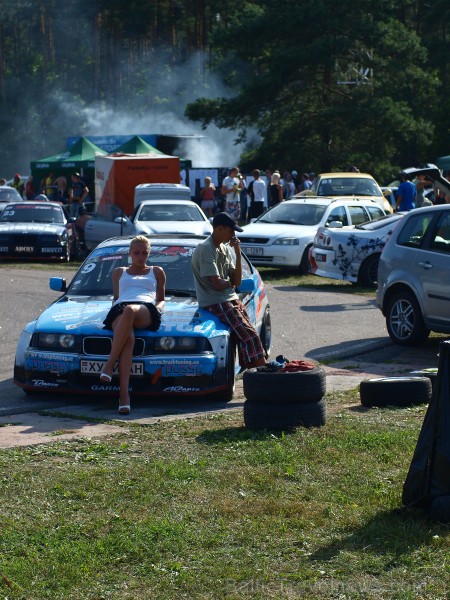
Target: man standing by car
<point>77,194</point>
<point>406,194</point>
<point>231,189</point>
<point>258,195</point>
<point>216,277</point>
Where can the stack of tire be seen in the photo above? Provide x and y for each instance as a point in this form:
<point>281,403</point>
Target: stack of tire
<point>286,398</point>
<point>395,391</point>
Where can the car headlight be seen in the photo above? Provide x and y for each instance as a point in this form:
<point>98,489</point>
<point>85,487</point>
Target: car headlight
<point>287,242</point>
<point>165,343</point>
<point>56,340</point>
<point>187,343</point>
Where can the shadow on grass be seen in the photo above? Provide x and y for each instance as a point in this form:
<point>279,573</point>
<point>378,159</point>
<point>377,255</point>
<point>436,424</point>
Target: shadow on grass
<point>236,434</point>
<point>392,534</point>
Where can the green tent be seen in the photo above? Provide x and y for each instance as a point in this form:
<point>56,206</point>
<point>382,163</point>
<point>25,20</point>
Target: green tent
<point>79,157</point>
<point>443,162</point>
<point>136,145</point>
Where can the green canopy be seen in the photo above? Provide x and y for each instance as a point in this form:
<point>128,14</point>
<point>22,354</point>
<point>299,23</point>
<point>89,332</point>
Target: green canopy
<point>443,162</point>
<point>136,145</point>
<point>79,156</point>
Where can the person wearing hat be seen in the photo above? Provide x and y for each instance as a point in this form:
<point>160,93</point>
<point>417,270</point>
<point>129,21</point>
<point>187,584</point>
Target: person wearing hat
<point>217,274</point>
<point>18,184</point>
<point>77,194</point>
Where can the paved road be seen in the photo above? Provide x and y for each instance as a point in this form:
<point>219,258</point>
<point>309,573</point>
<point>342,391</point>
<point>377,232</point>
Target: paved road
<point>312,323</point>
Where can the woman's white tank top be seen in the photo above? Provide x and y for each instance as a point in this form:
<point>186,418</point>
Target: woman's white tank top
<point>138,288</point>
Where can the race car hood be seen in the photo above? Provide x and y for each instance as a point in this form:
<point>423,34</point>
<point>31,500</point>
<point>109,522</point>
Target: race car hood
<point>84,315</point>
<point>49,228</point>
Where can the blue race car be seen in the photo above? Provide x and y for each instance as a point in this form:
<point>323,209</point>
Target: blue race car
<point>192,354</point>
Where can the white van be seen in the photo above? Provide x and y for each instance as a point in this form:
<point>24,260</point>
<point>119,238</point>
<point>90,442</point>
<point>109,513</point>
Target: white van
<point>161,191</point>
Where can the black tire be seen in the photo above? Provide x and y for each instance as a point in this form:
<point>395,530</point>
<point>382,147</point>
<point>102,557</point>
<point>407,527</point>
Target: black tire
<point>284,415</point>
<point>227,395</point>
<point>368,272</point>
<point>266,332</point>
<point>289,387</point>
<point>404,320</point>
<point>395,391</point>
<point>305,265</point>
<point>430,373</point>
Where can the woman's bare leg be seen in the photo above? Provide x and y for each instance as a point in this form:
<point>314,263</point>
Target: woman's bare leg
<point>134,315</point>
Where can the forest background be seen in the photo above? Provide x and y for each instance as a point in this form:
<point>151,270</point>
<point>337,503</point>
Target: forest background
<point>304,84</point>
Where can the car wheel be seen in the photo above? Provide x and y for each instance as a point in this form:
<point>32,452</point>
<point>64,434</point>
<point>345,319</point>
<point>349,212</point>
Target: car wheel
<point>395,391</point>
<point>284,415</point>
<point>305,264</point>
<point>288,387</point>
<point>227,395</point>
<point>404,320</point>
<point>266,332</point>
<point>368,272</point>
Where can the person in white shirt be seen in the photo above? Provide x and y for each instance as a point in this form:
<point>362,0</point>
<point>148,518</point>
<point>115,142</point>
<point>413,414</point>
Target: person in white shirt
<point>257,190</point>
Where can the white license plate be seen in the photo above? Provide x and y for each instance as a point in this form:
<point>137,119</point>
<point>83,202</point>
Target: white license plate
<point>24,249</point>
<point>253,251</point>
<point>95,367</point>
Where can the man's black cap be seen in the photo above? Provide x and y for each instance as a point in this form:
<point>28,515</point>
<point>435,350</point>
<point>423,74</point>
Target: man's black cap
<point>225,220</point>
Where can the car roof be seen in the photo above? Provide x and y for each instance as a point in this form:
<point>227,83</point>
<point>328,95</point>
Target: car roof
<point>184,202</point>
<point>160,238</point>
<point>327,200</point>
<point>33,203</point>
<point>346,174</point>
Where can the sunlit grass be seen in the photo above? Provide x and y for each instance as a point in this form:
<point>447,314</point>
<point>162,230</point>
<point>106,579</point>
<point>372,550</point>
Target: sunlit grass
<point>205,508</point>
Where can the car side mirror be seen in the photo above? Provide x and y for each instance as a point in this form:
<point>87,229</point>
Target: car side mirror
<point>58,284</point>
<point>335,224</point>
<point>120,220</point>
<point>246,286</point>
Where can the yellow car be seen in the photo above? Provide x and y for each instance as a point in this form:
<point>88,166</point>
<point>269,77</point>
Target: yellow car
<point>337,185</point>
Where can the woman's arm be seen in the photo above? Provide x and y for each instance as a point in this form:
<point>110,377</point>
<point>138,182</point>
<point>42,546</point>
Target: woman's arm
<point>116,275</point>
<point>160,277</point>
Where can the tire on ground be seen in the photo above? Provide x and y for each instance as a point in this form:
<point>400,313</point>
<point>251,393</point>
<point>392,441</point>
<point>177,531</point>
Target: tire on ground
<point>395,391</point>
<point>292,386</point>
<point>284,415</point>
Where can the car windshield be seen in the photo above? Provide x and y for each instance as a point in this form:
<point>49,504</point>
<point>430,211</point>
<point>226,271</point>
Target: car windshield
<point>36,213</point>
<point>348,186</point>
<point>94,275</point>
<point>9,195</point>
<point>295,214</point>
<point>380,223</point>
<point>169,213</point>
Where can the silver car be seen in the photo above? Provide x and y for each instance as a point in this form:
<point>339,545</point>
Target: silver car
<point>414,276</point>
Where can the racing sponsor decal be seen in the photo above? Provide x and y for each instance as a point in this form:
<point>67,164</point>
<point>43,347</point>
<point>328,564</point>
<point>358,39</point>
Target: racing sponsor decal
<point>180,388</point>
<point>46,384</point>
<point>106,388</point>
<point>185,369</point>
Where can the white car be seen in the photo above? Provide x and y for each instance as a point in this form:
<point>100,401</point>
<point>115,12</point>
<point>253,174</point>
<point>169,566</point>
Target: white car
<point>283,235</point>
<point>150,216</point>
<point>352,253</point>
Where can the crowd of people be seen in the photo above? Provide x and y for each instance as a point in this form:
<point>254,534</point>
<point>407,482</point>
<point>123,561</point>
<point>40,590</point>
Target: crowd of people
<point>73,194</point>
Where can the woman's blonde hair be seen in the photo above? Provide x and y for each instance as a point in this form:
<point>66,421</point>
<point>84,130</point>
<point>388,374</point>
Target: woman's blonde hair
<point>207,181</point>
<point>275,178</point>
<point>140,239</point>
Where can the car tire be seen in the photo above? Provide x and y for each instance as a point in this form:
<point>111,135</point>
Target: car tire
<point>395,391</point>
<point>368,272</point>
<point>265,334</point>
<point>305,264</point>
<point>227,394</point>
<point>289,387</point>
<point>404,320</point>
<point>284,415</point>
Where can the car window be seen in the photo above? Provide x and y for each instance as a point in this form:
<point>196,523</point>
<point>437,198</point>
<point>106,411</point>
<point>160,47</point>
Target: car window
<point>414,230</point>
<point>166,213</point>
<point>441,234</point>
<point>358,214</point>
<point>337,214</point>
<point>40,213</point>
<point>348,186</point>
<point>295,214</point>
<point>94,275</point>
<point>375,212</point>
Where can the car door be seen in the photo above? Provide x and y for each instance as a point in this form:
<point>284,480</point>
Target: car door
<point>434,266</point>
<point>357,214</point>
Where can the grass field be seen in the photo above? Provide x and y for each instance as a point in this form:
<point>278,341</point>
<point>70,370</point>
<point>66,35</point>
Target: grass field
<point>204,508</point>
